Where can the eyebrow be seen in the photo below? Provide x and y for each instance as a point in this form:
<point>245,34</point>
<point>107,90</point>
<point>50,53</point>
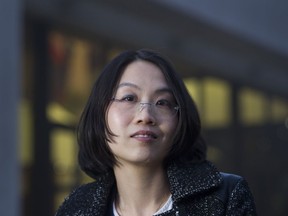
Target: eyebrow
<point>160,90</point>
<point>129,85</point>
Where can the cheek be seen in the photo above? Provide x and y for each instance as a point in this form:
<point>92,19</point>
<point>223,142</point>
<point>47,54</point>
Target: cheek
<point>171,128</point>
<point>115,120</point>
<point>172,125</point>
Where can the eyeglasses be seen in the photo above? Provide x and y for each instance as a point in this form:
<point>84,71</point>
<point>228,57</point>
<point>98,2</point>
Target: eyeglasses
<point>162,108</point>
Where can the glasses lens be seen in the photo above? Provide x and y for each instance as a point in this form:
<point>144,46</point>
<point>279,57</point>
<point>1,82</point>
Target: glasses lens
<point>166,111</point>
<point>163,110</point>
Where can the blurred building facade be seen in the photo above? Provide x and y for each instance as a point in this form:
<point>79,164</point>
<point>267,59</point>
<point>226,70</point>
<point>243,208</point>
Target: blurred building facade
<point>238,80</point>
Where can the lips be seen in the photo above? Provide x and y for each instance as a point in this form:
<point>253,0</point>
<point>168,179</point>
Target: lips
<point>144,134</point>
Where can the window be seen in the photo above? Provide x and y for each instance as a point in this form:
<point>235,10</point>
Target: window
<point>253,107</point>
<point>216,103</point>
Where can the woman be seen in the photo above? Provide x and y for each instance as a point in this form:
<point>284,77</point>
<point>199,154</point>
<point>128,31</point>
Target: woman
<point>139,138</point>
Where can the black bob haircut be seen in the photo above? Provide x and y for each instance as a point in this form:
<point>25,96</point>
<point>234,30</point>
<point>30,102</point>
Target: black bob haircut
<point>95,156</point>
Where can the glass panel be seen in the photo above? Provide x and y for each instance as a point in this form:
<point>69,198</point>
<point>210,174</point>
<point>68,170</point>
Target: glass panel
<point>75,65</point>
<point>26,148</point>
<point>216,103</point>
<point>194,88</point>
<point>253,107</point>
<point>215,154</point>
<point>279,109</point>
<point>64,160</point>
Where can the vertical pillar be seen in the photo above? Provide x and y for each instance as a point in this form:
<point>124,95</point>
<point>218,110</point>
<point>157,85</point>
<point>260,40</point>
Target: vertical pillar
<point>10,67</point>
<point>41,202</point>
<point>237,129</point>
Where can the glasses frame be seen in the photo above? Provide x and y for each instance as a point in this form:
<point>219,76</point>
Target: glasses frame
<point>142,104</point>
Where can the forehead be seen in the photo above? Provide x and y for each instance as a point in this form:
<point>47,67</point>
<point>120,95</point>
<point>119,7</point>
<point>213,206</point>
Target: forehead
<point>143,73</point>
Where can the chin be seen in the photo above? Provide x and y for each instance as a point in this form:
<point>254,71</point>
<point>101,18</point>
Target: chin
<point>148,161</point>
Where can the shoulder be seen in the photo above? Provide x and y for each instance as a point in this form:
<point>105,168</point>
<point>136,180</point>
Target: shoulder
<point>77,200</point>
<point>87,198</point>
<point>192,179</point>
<point>234,184</point>
<point>201,186</point>
<point>228,184</point>
<point>236,195</point>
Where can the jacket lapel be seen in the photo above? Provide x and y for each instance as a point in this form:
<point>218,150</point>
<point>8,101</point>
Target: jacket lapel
<point>193,179</point>
<point>102,189</point>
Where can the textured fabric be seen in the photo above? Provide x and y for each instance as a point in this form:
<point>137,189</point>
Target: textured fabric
<point>196,190</point>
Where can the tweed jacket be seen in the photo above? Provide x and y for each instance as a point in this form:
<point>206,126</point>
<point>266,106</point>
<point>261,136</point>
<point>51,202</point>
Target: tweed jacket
<point>198,189</point>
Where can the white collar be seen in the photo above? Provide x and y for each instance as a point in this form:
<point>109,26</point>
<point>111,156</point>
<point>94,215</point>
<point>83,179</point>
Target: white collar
<point>166,207</point>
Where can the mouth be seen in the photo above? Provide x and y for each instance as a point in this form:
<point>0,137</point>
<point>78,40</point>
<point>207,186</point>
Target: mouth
<point>144,134</point>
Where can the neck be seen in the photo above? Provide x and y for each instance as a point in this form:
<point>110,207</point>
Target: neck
<point>141,191</point>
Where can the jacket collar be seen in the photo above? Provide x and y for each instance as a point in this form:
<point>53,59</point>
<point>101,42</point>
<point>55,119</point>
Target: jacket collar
<point>185,180</point>
<point>188,180</point>
<point>97,195</point>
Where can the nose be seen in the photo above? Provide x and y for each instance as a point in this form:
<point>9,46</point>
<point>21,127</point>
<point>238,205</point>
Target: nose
<point>142,106</point>
<point>146,117</point>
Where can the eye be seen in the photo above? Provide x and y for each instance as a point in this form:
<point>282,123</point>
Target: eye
<point>128,98</point>
<point>164,103</point>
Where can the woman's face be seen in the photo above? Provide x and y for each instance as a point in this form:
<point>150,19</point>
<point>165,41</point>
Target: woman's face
<point>144,133</point>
